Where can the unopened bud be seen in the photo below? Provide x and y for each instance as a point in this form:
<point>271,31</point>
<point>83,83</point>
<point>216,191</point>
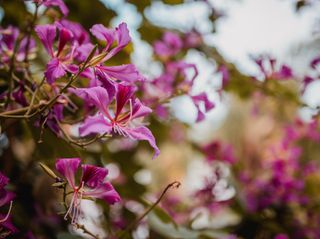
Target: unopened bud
<point>48,171</point>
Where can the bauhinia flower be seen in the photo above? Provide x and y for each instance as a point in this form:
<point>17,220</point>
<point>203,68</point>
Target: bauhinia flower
<point>92,185</point>
<point>6,197</point>
<point>170,45</point>
<point>8,40</point>
<point>53,3</point>
<point>61,60</point>
<point>120,38</point>
<point>176,81</point>
<point>269,69</point>
<point>122,120</point>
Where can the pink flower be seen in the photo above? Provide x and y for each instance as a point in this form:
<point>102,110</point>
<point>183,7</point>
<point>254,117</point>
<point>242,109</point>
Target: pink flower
<point>120,120</point>
<point>92,184</point>
<point>8,39</point>
<point>109,74</point>
<point>170,45</point>
<point>176,80</point>
<point>269,69</point>
<point>53,3</point>
<point>62,59</point>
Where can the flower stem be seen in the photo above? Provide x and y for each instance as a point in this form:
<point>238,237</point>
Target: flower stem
<point>136,222</point>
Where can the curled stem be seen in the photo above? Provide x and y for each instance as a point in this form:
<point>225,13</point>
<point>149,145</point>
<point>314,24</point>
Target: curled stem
<point>135,223</point>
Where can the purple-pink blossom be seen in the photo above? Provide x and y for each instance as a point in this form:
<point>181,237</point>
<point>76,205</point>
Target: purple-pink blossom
<point>53,3</point>
<point>61,60</point>
<point>121,120</point>
<point>170,45</point>
<point>8,40</point>
<point>92,185</point>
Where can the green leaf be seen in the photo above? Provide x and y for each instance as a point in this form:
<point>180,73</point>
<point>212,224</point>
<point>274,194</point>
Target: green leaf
<point>164,216</point>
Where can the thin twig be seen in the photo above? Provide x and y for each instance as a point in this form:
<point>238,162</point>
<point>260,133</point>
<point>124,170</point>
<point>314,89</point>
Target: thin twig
<point>34,96</point>
<point>135,223</point>
<point>81,143</point>
<point>12,66</point>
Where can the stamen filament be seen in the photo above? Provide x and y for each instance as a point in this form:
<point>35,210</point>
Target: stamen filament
<point>8,214</point>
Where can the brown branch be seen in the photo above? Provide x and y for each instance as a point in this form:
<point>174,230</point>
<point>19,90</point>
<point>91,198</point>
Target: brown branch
<point>135,223</point>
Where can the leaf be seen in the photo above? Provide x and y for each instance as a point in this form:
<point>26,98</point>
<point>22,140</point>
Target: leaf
<point>164,216</point>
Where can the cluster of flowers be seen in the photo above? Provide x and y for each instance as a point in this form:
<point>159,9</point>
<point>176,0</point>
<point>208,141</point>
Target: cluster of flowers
<point>76,68</point>
<point>73,56</point>
<point>285,176</point>
<point>178,76</point>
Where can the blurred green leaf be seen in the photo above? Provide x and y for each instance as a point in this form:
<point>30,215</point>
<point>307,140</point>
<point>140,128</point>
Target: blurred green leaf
<point>90,12</point>
<point>164,216</point>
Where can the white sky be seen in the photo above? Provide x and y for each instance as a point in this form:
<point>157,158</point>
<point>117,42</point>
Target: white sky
<point>263,26</point>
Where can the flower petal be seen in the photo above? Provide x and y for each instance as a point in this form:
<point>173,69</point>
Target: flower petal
<point>92,175</point>
<point>138,110</point>
<point>57,3</point>
<point>143,133</point>
<point>124,93</point>
<point>8,225</point>
<point>3,180</point>
<point>54,70</point>
<point>68,168</point>
<point>123,38</point>
<point>79,33</point>
<point>104,34</point>
<point>5,197</point>
<point>95,125</point>
<point>64,37</point>
<point>47,34</point>
<point>104,191</point>
<point>127,73</point>
<point>97,95</point>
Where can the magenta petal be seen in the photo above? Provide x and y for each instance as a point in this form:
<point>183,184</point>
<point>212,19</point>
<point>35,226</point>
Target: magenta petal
<point>127,73</point>
<point>64,37</point>
<point>54,70</point>
<point>143,133</point>
<point>96,95</point>
<point>79,33</point>
<point>203,97</point>
<point>173,40</point>
<point>123,39</point>
<point>57,3</point>
<point>122,35</point>
<point>95,125</point>
<point>47,34</point>
<point>92,176</point>
<point>161,49</point>
<point>139,110</point>
<point>104,191</point>
<point>200,116</point>
<point>5,197</point>
<point>285,72</point>
<point>3,180</point>
<point>83,51</point>
<point>124,93</point>
<point>102,33</point>
<point>68,168</point>
<point>8,225</point>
